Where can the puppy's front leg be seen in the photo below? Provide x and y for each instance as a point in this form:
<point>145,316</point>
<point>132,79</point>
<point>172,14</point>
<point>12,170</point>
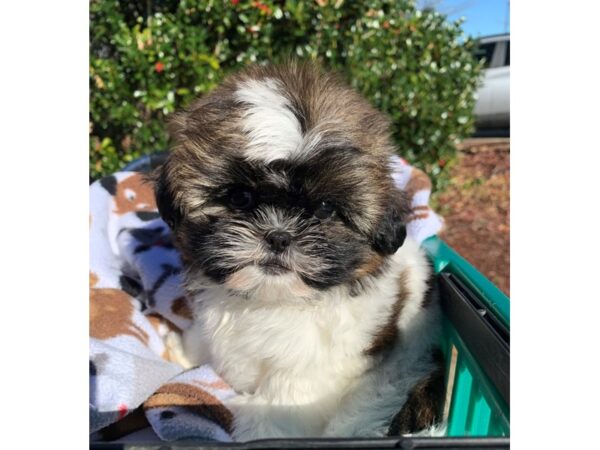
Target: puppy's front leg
<point>175,349</point>
<point>281,407</point>
<point>188,348</point>
<point>255,417</point>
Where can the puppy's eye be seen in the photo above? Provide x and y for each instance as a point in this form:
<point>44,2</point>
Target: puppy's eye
<point>241,199</point>
<point>296,186</point>
<point>324,210</point>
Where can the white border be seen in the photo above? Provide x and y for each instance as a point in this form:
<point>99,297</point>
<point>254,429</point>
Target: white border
<point>555,313</point>
<point>43,180</point>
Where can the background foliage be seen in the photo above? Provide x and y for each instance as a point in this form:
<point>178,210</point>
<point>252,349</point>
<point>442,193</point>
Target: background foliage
<point>148,58</point>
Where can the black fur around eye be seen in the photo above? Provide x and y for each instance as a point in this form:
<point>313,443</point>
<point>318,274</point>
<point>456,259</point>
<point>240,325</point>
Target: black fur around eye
<point>324,210</point>
<point>241,198</point>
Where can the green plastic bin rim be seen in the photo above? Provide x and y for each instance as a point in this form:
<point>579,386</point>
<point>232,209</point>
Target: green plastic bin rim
<point>445,259</point>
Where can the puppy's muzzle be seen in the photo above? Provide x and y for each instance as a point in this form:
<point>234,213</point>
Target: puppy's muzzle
<point>278,240</point>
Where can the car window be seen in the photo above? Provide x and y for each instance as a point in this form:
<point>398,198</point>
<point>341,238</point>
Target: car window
<point>507,56</point>
<point>485,52</point>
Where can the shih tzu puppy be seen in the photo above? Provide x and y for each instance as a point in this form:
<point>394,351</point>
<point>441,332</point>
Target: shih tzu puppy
<point>309,299</point>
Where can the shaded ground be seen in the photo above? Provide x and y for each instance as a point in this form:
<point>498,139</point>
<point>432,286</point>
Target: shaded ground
<point>475,207</point>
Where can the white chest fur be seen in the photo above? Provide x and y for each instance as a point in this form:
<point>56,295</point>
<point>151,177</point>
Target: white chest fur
<point>298,353</point>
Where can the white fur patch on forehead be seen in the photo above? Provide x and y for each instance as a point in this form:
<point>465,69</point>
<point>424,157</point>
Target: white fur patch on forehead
<point>272,127</point>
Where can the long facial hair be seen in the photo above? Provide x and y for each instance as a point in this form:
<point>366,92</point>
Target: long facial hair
<point>334,151</point>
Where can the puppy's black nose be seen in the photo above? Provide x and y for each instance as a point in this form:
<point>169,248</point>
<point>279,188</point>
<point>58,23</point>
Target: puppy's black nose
<point>279,240</point>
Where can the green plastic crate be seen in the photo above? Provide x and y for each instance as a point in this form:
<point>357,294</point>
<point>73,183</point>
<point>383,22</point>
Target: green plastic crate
<point>477,402</point>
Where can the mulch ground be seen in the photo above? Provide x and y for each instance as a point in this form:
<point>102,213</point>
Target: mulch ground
<point>475,207</point>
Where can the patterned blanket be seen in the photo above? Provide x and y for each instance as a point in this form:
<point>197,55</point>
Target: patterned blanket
<point>137,302</point>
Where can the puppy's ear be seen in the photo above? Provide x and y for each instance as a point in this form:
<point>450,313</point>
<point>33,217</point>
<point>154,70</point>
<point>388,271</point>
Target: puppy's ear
<point>391,230</point>
<point>168,204</point>
<point>168,208</point>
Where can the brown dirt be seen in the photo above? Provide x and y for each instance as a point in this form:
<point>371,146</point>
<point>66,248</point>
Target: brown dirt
<point>475,207</point>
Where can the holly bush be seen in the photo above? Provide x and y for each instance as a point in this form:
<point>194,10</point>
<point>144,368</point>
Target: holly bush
<point>148,58</point>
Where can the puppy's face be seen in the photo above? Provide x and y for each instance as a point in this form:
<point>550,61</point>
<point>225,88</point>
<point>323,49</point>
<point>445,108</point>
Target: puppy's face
<point>280,179</point>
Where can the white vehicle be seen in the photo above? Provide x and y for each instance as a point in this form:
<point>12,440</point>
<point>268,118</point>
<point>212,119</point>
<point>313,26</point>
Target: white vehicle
<point>492,109</point>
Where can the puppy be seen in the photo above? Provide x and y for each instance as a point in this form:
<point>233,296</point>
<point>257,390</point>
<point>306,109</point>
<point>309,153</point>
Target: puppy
<point>309,299</point>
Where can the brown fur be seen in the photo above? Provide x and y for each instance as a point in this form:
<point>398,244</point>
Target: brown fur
<point>423,408</point>
<point>181,307</point>
<point>210,129</point>
<point>432,294</point>
<point>350,165</point>
<point>348,170</point>
<point>385,338</point>
<point>371,266</point>
<point>156,320</point>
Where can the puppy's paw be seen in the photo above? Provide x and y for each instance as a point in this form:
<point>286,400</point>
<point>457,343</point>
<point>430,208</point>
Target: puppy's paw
<point>256,418</point>
<point>174,345</point>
